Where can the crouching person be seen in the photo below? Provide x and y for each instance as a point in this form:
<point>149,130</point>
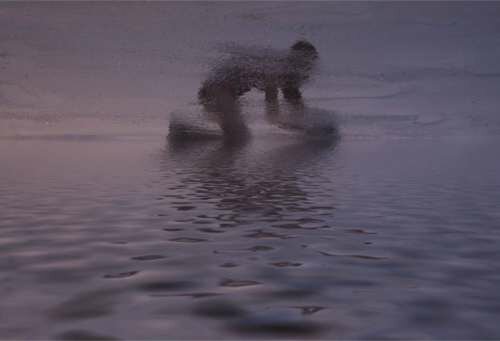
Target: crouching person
<point>269,72</point>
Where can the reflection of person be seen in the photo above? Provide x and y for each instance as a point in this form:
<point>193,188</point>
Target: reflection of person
<point>268,72</point>
<point>220,173</point>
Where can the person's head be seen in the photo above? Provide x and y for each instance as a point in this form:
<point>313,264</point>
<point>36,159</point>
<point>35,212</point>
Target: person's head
<point>304,53</point>
<point>305,48</point>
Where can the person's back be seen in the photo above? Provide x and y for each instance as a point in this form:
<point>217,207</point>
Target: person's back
<point>265,70</point>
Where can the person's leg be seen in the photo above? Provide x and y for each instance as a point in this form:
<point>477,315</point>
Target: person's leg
<point>271,93</point>
<point>272,105</point>
<point>222,105</point>
<point>295,108</point>
<point>230,118</point>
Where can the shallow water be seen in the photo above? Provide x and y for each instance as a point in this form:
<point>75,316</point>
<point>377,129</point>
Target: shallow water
<point>110,230</point>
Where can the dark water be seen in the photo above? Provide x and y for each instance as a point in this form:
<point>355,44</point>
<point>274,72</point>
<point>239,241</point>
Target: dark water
<point>135,237</point>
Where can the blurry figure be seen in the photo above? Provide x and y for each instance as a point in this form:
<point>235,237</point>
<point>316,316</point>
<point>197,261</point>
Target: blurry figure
<point>266,70</point>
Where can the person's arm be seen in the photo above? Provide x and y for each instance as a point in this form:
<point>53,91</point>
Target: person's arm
<point>291,93</point>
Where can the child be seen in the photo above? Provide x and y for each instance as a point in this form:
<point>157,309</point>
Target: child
<point>267,72</point>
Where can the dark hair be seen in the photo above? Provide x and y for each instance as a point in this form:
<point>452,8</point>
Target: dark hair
<point>304,46</point>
